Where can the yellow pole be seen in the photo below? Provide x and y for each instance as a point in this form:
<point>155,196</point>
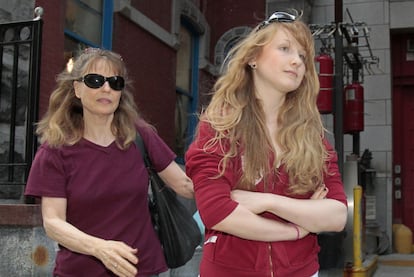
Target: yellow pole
<point>359,269</point>
<point>357,227</point>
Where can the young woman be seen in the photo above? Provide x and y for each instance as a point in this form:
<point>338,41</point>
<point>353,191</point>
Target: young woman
<point>91,176</point>
<point>265,178</point>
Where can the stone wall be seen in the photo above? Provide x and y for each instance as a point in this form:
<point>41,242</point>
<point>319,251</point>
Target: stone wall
<point>26,251</point>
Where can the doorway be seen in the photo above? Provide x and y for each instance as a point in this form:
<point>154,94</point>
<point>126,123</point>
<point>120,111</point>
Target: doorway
<point>402,51</point>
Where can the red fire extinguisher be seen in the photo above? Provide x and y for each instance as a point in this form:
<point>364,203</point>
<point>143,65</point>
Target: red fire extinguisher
<point>353,108</point>
<point>325,68</point>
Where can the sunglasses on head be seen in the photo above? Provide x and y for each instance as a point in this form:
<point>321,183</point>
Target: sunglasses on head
<point>279,17</point>
<point>96,81</point>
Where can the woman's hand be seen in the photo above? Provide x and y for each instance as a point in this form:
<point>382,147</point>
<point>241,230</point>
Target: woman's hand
<point>117,257</point>
<point>320,192</point>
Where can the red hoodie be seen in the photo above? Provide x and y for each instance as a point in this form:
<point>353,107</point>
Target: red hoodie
<point>226,255</point>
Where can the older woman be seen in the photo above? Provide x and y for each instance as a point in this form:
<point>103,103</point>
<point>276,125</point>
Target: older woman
<point>91,177</point>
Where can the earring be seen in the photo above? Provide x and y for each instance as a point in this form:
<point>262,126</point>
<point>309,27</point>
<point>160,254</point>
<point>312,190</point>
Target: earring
<point>253,65</point>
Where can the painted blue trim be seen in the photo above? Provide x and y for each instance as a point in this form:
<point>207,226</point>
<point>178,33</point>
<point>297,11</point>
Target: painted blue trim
<point>180,160</point>
<point>107,24</point>
<point>79,38</point>
<point>183,92</point>
<point>193,119</point>
<point>192,109</point>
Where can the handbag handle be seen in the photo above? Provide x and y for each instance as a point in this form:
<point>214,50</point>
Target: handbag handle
<point>140,144</point>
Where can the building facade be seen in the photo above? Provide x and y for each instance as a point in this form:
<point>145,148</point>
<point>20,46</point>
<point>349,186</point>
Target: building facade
<point>174,50</point>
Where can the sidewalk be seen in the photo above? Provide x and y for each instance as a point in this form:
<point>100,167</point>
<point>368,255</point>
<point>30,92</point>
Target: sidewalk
<point>401,265</point>
<point>388,266</point>
<point>392,265</point>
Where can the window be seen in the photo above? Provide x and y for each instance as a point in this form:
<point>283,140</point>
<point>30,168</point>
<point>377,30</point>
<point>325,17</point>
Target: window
<point>87,23</point>
<point>83,20</point>
<point>227,41</point>
<point>186,89</point>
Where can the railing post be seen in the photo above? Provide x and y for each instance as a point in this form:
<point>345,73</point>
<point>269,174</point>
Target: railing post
<point>358,227</point>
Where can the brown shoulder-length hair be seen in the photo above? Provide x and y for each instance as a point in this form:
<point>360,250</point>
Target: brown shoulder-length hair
<point>237,115</point>
<point>63,121</point>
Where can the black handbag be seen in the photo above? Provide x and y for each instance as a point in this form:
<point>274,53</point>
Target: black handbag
<point>175,226</point>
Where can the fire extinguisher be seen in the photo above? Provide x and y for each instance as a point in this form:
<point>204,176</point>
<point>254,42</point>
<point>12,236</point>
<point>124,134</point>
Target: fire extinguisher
<point>353,108</point>
<point>325,68</point>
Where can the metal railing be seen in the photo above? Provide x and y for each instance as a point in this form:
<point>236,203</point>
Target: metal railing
<point>20,52</point>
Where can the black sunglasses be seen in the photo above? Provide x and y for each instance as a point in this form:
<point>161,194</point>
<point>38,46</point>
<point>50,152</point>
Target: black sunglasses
<point>279,17</point>
<point>96,81</point>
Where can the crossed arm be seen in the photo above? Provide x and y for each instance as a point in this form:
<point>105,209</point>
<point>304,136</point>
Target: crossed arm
<point>317,214</point>
<point>314,215</point>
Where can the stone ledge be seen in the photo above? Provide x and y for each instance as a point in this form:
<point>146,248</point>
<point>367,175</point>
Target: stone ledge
<point>25,215</point>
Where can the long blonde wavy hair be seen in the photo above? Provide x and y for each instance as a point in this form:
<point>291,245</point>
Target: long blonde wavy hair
<point>63,122</point>
<point>237,116</point>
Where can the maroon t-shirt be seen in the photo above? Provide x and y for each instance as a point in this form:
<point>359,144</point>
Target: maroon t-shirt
<point>106,190</point>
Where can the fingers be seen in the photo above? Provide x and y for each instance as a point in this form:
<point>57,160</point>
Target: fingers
<point>320,193</point>
<point>325,191</point>
<point>119,258</point>
<point>123,269</point>
<point>129,254</point>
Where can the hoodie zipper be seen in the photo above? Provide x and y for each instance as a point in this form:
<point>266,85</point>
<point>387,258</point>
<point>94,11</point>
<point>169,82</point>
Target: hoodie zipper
<point>270,260</point>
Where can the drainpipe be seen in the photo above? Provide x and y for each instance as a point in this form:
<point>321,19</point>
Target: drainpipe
<point>338,99</point>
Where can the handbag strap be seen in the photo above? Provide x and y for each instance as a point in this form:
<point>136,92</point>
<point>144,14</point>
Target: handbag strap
<point>148,164</point>
<point>140,144</point>
<point>151,172</point>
